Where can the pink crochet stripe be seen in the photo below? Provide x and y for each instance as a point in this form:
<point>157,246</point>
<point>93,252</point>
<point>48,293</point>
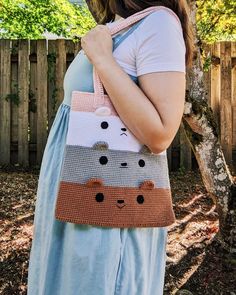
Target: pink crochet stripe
<point>137,16</point>
<point>88,102</point>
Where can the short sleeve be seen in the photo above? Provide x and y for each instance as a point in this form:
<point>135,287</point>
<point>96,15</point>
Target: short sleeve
<point>160,44</point>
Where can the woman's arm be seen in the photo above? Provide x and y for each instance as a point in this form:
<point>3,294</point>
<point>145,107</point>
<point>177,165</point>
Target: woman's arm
<point>153,113</point>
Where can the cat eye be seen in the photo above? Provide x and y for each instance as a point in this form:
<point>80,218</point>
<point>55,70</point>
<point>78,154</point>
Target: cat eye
<point>140,199</point>
<point>103,160</point>
<point>104,125</point>
<point>99,197</point>
<point>141,163</point>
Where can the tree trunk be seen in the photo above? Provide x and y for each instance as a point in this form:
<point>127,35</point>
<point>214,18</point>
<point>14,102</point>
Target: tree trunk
<point>202,132</point>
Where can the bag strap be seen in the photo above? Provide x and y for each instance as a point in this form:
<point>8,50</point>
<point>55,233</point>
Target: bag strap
<point>137,16</point>
<point>126,34</point>
<point>98,87</point>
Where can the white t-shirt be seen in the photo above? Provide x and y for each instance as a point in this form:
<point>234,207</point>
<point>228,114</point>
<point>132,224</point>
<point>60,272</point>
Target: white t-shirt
<point>156,45</point>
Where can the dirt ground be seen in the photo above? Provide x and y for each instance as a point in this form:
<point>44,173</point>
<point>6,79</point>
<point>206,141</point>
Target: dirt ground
<point>194,257</point>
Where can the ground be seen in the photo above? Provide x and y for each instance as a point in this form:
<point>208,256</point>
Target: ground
<point>194,257</point>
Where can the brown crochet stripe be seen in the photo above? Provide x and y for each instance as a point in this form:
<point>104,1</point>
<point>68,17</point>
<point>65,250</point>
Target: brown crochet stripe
<point>77,203</point>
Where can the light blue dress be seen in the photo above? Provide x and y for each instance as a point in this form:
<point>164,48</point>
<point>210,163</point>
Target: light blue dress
<point>74,259</point>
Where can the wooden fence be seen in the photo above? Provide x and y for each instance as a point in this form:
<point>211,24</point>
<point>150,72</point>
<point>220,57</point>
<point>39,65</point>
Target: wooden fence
<point>221,90</point>
<point>31,89</point>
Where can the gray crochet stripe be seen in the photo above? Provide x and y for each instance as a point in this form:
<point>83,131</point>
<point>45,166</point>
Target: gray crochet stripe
<point>81,163</point>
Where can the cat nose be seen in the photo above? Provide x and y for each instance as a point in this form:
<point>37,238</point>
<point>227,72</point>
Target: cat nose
<point>123,164</point>
<point>120,204</point>
<point>123,129</point>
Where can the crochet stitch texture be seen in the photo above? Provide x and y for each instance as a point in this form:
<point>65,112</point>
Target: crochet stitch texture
<point>108,177</point>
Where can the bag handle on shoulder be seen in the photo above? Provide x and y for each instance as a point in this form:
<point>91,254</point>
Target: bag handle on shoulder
<point>122,24</point>
<point>98,87</point>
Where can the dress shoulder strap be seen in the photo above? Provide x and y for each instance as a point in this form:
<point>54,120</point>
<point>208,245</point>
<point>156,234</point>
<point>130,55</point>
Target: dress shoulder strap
<point>118,39</point>
<point>131,20</point>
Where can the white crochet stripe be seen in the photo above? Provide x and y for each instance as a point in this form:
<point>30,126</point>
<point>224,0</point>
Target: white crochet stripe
<point>85,129</point>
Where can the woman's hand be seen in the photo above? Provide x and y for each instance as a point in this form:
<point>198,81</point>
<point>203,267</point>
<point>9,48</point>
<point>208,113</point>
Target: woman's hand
<point>97,44</point>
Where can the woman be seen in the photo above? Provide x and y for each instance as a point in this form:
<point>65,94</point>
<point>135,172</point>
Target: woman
<point>148,59</point>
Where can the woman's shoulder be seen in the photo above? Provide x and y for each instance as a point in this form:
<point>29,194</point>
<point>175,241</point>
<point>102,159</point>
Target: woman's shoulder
<point>161,28</point>
<point>159,43</point>
<point>162,19</point>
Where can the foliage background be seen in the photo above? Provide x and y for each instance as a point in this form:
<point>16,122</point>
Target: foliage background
<point>216,20</point>
<point>31,19</point>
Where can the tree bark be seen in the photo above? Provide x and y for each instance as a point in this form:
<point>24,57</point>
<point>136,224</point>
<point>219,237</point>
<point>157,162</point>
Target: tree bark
<point>202,132</point>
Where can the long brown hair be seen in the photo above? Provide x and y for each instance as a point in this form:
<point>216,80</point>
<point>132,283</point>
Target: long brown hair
<point>105,10</point>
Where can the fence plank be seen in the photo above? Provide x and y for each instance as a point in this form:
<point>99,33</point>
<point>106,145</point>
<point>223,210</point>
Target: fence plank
<point>77,47</point>
<point>60,70</point>
<point>226,110</point>
<point>33,103</point>
<point>185,149</point>
<point>45,93</point>
<point>169,157</point>
<point>215,82</point>
<point>233,54</point>
<point>41,98</point>
<point>207,74</point>
<point>14,106</point>
<point>5,114</point>
<point>70,52</point>
<point>23,109</point>
<point>52,94</point>
<point>175,152</point>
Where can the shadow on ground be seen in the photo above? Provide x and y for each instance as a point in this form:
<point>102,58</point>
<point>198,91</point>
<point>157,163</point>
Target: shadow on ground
<point>194,257</point>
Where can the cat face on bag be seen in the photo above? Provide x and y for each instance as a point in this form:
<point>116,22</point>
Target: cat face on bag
<point>115,167</point>
<point>86,128</point>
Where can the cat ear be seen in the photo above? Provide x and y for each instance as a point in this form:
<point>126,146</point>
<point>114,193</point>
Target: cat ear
<point>145,150</point>
<point>100,145</point>
<point>103,111</point>
<point>94,182</point>
<point>147,185</point>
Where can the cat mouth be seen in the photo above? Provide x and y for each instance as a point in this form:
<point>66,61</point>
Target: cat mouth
<point>123,134</point>
<point>123,167</point>
<point>120,205</point>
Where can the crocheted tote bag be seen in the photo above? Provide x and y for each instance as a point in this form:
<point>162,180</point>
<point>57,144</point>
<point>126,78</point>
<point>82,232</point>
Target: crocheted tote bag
<point>109,178</point>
